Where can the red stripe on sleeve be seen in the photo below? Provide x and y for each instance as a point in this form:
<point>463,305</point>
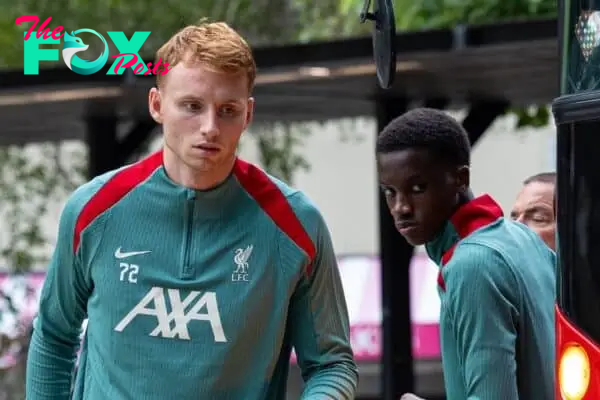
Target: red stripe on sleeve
<point>268,196</point>
<point>114,190</point>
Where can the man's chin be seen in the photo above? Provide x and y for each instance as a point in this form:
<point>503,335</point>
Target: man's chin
<point>414,238</point>
<point>418,236</point>
<point>415,241</point>
<point>202,164</point>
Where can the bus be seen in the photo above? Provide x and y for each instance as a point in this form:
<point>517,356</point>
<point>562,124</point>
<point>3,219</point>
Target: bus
<point>577,116</point>
<point>578,270</point>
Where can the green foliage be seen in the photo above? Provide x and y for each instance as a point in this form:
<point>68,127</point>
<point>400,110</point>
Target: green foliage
<point>448,13</point>
<point>261,21</point>
<point>337,18</point>
<point>278,146</point>
<point>535,117</point>
<point>27,191</point>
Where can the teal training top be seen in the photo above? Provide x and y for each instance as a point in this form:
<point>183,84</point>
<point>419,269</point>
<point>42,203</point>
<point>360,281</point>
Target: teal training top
<point>190,294</point>
<point>497,290</point>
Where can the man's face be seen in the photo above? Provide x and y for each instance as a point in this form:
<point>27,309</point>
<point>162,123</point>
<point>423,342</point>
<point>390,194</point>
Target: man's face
<point>420,192</point>
<point>203,114</point>
<point>534,208</point>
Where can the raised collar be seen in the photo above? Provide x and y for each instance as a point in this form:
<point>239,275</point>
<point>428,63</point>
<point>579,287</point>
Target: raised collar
<point>469,217</point>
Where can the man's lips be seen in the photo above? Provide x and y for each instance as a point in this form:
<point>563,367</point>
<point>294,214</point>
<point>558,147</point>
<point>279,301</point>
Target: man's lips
<point>405,226</point>
<point>207,147</point>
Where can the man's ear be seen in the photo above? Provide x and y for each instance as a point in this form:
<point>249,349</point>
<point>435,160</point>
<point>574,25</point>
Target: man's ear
<point>250,112</point>
<point>463,178</point>
<point>154,105</point>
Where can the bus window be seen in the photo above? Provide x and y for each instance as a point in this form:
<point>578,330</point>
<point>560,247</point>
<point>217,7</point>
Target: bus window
<point>581,42</point>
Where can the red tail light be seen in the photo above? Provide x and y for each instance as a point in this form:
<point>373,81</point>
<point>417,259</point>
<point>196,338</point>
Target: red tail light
<point>577,363</point>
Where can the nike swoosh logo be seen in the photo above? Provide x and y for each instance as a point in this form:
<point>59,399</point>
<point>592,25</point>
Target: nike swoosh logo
<point>120,254</point>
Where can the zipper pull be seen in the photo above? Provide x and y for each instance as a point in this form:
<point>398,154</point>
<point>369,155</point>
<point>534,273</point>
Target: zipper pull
<point>191,194</point>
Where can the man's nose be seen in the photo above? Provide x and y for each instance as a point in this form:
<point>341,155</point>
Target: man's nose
<point>401,206</point>
<point>210,124</point>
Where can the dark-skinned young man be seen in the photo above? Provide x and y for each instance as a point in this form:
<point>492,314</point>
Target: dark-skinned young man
<point>497,277</point>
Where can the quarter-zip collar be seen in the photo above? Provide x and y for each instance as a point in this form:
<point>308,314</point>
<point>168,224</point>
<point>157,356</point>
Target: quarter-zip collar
<point>469,217</point>
<point>212,203</point>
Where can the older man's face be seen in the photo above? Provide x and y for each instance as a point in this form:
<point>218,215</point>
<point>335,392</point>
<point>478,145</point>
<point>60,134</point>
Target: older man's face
<point>534,208</point>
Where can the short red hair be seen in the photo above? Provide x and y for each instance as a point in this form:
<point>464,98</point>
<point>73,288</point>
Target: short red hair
<point>214,45</point>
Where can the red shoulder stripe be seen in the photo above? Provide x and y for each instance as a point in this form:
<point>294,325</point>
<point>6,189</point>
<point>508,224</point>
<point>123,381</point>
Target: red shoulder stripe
<point>475,214</point>
<point>114,190</point>
<point>273,202</point>
<point>445,258</point>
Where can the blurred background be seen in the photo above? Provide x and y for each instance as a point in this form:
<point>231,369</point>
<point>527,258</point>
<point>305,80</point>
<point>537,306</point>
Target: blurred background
<point>493,64</point>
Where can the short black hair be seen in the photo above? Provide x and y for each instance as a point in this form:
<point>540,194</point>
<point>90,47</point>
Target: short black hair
<point>544,177</point>
<point>430,129</point>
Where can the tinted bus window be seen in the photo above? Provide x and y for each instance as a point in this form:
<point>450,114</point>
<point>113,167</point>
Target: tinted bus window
<point>579,225</point>
<point>580,45</point>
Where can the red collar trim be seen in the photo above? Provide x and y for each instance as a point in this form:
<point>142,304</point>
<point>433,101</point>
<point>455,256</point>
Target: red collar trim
<point>475,214</point>
<point>471,216</point>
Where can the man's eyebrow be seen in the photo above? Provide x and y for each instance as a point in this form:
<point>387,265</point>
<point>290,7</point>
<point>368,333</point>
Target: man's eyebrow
<point>188,97</point>
<point>237,101</point>
<point>191,97</point>
<point>539,208</point>
<point>415,176</point>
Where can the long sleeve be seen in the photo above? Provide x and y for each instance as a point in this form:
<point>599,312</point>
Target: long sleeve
<point>319,325</point>
<point>480,302</point>
<point>62,309</point>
